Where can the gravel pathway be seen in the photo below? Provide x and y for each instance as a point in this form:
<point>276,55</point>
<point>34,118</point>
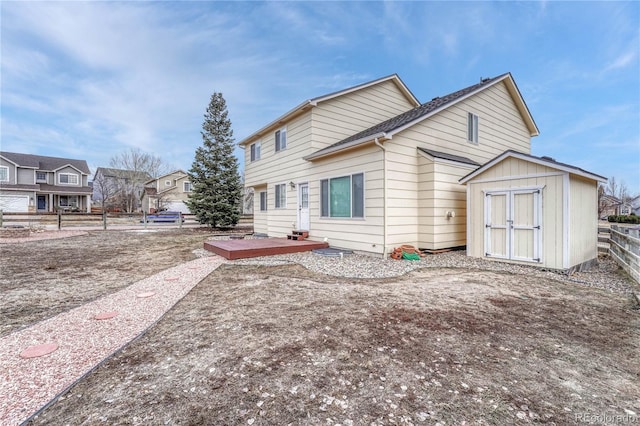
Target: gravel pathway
<point>27,385</point>
<point>603,276</point>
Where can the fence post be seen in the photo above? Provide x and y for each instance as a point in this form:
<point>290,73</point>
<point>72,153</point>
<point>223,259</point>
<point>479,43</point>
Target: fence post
<point>59,220</point>
<point>1,213</point>
<point>180,219</point>
<point>104,220</point>
<point>144,219</point>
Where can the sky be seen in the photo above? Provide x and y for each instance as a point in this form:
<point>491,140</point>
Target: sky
<point>90,80</point>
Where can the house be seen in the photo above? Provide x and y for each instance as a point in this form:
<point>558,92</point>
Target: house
<point>167,192</point>
<point>30,183</point>
<point>527,209</point>
<point>635,205</point>
<point>609,205</point>
<point>118,189</point>
<point>370,167</point>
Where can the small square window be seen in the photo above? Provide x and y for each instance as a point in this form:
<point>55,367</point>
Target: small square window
<point>281,139</point>
<point>281,196</point>
<point>167,183</point>
<point>255,151</point>
<point>41,176</point>
<point>472,128</point>
<point>263,201</point>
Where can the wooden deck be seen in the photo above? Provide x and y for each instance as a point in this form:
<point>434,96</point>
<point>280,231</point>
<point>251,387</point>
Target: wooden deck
<point>241,249</point>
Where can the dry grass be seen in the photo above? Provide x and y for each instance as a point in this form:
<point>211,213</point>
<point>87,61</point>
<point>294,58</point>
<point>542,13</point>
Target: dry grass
<point>281,345</point>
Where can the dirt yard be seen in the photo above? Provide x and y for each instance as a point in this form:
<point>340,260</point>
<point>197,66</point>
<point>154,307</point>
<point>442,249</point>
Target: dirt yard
<point>257,345</point>
<point>41,278</point>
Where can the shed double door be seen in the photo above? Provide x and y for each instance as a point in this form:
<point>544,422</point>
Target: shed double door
<point>513,224</point>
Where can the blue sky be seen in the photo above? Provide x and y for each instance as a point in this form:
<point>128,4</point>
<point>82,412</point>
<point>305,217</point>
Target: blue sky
<point>91,79</point>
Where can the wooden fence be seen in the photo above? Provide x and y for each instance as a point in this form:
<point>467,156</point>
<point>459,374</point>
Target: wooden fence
<point>625,249</point>
<point>66,220</point>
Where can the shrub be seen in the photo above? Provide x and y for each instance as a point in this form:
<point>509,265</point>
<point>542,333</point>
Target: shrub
<point>632,219</point>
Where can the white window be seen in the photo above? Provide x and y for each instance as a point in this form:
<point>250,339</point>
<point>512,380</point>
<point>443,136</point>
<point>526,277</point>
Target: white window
<point>255,151</point>
<point>41,176</point>
<point>263,201</point>
<point>281,139</point>
<point>4,174</point>
<point>68,178</point>
<point>186,186</point>
<point>68,201</point>
<point>281,196</point>
<point>342,196</point>
<point>167,183</point>
<point>472,128</point>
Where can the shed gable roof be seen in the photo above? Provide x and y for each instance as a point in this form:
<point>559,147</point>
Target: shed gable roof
<point>544,161</point>
<point>388,128</point>
<point>44,163</point>
<point>310,103</point>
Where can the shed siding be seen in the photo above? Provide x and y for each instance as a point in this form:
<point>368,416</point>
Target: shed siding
<point>498,178</point>
<point>349,114</point>
<point>583,220</point>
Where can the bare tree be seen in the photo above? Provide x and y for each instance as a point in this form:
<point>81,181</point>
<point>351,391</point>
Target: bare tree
<point>133,169</point>
<point>104,189</point>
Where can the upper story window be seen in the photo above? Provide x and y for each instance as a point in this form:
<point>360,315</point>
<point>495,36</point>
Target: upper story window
<point>281,139</point>
<point>186,186</point>
<point>255,151</point>
<point>342,196</point>
<point>167,183</point>
<point>472,128</point>
<point>4,174</point>
<point>281,196</point>
<point>68,179</point>
<point>263,201</point>
<point>41,176</point>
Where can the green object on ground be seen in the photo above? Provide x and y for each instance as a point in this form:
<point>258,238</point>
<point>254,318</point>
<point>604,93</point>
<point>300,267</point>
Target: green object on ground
<point>410,256</point>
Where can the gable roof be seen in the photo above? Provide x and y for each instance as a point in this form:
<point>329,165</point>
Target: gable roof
<point>388,128</point>
<point>122,173</point>
<point>448,157</point>
<point>544,161</point>
<point>175,172</point>
<point>310,103</point>
<point>44,163</point>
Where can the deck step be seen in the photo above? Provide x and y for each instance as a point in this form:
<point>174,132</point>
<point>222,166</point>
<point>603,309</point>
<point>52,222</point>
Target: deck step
<point>298,235</point>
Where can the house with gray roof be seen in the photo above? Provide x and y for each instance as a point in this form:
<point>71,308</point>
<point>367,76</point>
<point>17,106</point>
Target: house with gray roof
<point>370,168</point>
<point>30,183</point>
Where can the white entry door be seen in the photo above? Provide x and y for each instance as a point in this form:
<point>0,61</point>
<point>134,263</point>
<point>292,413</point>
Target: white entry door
<point>513,224</point>
<point>303,207</point>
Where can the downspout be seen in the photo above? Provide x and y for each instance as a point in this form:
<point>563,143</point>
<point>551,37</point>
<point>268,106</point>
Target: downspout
<point>384,197</point>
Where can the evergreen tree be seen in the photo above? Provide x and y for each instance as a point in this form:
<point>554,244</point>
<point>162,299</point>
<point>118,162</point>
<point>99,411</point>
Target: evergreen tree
<point>216,186</point>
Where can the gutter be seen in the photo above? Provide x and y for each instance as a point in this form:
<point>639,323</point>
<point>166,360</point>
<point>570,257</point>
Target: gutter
<point>384,197</point>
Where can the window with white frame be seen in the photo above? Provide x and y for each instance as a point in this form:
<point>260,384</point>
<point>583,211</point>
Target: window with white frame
<point>263,201</point>
<point>342,196</point>
<point>186,186</point>
<point>68,179</point>
<point>281,139</point>
<point>281,196</point>
<point>4,174</point>
<point>472,128</point>
<point>255,151</point>
<point>167,183</point>
<point>41,176</point>
<point>68,201</point>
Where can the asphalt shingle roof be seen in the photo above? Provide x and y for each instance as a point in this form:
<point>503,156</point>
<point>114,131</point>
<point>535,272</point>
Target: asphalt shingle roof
<point>451,157</point>
<point>44,163</point>
<point>409,116</point>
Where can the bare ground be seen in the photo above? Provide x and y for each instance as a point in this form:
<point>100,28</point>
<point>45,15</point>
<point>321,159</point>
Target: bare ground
<point>282,345</point>
<point>42,278</point>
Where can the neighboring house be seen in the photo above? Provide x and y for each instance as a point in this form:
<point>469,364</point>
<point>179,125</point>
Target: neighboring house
<point>168,192</point>
<point>635,205</point>
<point>119,189</point>
<point>30,183</point>
<point>370,167</point>
<point>609,205</point>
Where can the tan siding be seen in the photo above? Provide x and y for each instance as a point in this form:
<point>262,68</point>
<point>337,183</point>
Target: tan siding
<point>583,220</point>
<point>346,115</point>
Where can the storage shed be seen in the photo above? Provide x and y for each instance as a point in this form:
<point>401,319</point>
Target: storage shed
<point>533,210</point>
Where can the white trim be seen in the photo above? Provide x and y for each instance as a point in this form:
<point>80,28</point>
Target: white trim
<point>68,165</point>
<point>565,221</point>
<point>532,159</point>
<point>299,186</point>
<point>77,183</point>
<point>7,179</point>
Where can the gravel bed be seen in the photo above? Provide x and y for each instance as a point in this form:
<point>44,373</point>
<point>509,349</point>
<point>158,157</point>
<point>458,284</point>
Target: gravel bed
<point>605,275</point>
<point>83,342</point>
